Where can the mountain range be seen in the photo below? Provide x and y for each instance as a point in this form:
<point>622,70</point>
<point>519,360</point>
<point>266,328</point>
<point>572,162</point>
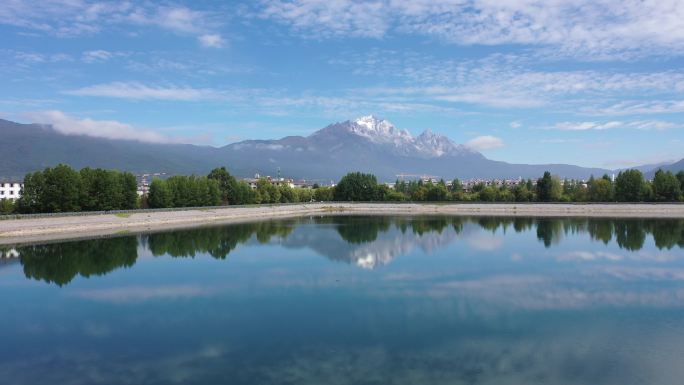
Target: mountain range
<point>367,144</point>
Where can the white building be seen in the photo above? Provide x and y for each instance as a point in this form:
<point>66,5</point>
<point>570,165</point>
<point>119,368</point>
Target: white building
<point>10,190</point>
<point>8,253</point>
<point>252,182</point>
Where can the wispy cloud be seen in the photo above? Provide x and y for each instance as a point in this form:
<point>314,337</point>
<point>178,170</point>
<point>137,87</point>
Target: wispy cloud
<point>646,125</point>
<point>140,91</point>
<point>583,126</point>
<point>99,56</point>
<point>508,81</point>
<point>135,294</point>
<point>78,17</point>
<point>110,129</point>
<point>485,142</point>
<point>587,28</point>
<point>325,19</point>
<point>639,108</point>
<point>211,40</point>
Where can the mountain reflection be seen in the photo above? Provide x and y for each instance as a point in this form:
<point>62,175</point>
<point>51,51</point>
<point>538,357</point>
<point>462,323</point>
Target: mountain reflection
<point>367,242</point>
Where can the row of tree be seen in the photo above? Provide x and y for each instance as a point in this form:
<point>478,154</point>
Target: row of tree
<point>221,188</point>
<point>63,189</point>
<point>629,186</point>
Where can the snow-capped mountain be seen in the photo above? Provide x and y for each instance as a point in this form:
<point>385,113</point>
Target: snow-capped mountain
<point>382,132</point>
<point>378,130</point>
<point>366,144</point>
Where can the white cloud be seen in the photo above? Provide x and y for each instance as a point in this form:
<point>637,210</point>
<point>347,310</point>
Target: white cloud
<point>139,91</point>
<point>582,126</point>
<point>646,125</point>
<point>515,124</point>
<point>79,17</point>
<point>485,142</point>
<point>640,107</point>
<point>177,19</point>
<point>321,19</point>
<point>128,294</point>
<point>110,129</point>
<point>657,125</point>
<point>505,81</point>
<point>211,40</point>
<point>589,256</point>
<point>97,56</point>
<point>559,140</point>
<point>594,29</point>
<point>39,58</point>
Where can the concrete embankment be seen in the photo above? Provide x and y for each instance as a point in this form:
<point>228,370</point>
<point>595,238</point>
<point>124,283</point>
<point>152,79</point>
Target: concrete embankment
<point>31,229</point>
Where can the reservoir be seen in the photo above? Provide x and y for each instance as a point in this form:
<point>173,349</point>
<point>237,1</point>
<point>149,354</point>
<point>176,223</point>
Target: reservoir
<point>351,300</point>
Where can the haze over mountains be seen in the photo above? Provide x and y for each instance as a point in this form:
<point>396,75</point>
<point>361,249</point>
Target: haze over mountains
<point>365,144</point>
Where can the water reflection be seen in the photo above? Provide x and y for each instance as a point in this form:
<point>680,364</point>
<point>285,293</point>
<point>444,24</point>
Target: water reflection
<point>396,300</point>
<point>367,242</point>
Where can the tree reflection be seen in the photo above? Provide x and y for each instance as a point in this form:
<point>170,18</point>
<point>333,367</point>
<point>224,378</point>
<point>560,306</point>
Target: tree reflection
<point>630,235</point>
<point>218,242</point>
<point>668,234</point>
<point>60,262</point>
<point>549,231</point>
<point>354,239</point>
<point>358,230</point>
<point>601,230</point>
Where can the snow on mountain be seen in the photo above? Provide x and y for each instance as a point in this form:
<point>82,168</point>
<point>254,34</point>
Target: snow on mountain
<point>437,145</point>
<point>380,131</point>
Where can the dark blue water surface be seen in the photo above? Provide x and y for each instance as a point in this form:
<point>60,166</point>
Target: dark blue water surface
<point>351,300</point>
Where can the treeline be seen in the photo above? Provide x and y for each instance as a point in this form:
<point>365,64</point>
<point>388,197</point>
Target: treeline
<point>629,186</point>
<point>63,189</point>
<point>221,188</point>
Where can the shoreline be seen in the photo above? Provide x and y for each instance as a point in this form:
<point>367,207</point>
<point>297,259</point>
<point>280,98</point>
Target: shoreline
<point>36,229</point>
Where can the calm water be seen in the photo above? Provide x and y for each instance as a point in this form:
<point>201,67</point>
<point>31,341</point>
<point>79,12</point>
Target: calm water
<point>352,300</point>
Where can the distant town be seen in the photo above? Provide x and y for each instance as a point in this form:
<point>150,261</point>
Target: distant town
<point>63,189</point>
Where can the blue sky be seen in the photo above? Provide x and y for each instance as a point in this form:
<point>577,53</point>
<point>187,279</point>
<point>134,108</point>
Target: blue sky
<point>588,82</point>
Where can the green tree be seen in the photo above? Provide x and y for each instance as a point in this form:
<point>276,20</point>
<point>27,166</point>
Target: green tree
<point>267,192</point>
<point>680,177</point>
<point>488,194</point>
<point>61,191</point>
<point>456,185</point>
<point>6,206</point>
<point>244,194</point>
<point>600,190</point>
<point>227,184</point>
<point>521,193</point>
<point>324,194</point>
<point>666,187</point>
<point>357,186</point>
<point>630,186</point>
<point>159,195</point>
<point>101,190</point>
<point>549,188</point>
<point>437,193</point>
<point>504,194</point>
<point>129,193</point>
<point>287,194</point>
<point>304,194</point>
<point>31,200</point>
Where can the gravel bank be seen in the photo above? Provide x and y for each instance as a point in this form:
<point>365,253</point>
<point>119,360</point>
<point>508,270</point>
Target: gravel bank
<point>67,227</point>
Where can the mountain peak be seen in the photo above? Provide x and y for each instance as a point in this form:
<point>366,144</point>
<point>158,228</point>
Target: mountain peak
<point>376,130</point>
<point>427,134</point>
<point>371,125</point>
<point>382,132</point>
